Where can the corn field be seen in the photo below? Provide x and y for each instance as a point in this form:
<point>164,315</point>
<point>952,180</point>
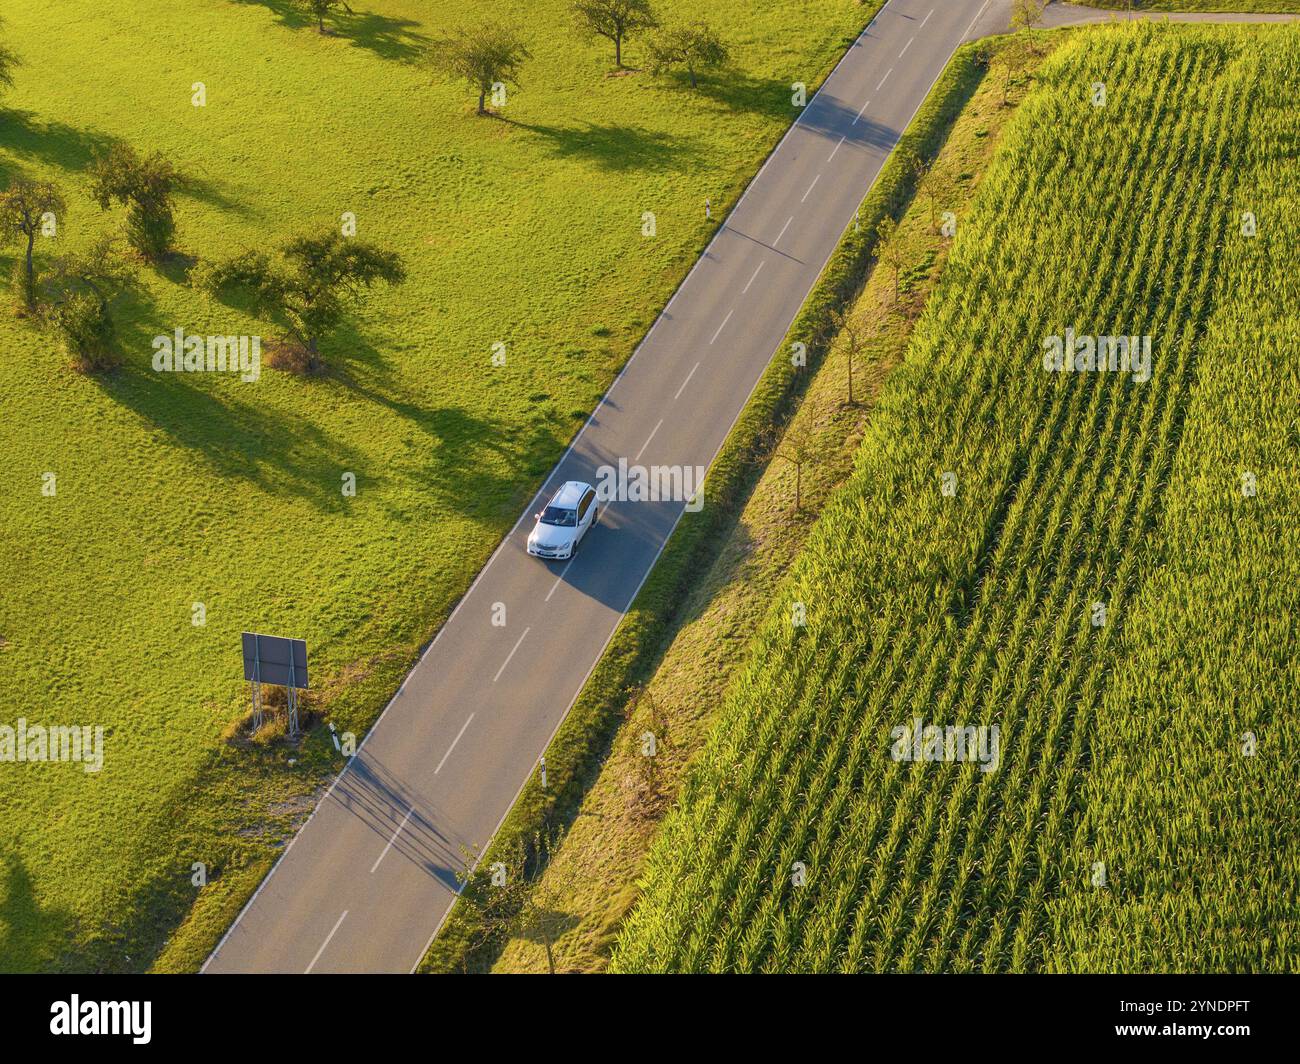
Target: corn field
<point>1102,567</point>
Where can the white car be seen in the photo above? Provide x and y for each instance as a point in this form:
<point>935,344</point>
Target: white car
<point>566,519</point>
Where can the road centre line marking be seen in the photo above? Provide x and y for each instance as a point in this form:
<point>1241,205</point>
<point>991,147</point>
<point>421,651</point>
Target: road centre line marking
<point>783,229</point>
<point>885,78</point>
<point>448,753</point>
<point>861,111</point>
<point>742,292</point>
<point>697,365</point>
<point>905,48</point>
<point>654,430</point>
<point>509,656</point>
<point>506,542</point>
<point>926,19</point>
<point>722,326</point>
<point>811,187</point>
<point>834,150</point>
<point>645,576</point>
<point>324,944</point>
<point>395,834</point>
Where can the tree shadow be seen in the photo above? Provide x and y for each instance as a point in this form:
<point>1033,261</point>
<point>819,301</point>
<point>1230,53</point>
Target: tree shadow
<point>233,437</point>
<point>617,147</point>
<point>32,938</point>
<point>54,143</point>
<point>457,446</point>
<point>734,90</point>
<point>388,37</point>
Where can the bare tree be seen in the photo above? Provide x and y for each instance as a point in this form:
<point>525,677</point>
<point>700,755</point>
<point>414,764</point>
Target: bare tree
<point>796,446</point>
<point>889,251</point>
<point>645,744</point>
<point>485,56</point>
<point>1015,56</point>
<point>936,184</point>
<point>615,20</point>
<point>850,339</point>
<point>504,902</point>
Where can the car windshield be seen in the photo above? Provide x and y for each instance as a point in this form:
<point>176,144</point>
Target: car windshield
<point>558,515</point>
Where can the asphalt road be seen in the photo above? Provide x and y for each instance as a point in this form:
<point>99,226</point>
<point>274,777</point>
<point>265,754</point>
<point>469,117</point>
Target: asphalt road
<point>366,883</point>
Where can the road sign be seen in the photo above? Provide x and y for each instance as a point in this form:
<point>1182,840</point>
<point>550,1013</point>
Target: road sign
<point>275,660</point>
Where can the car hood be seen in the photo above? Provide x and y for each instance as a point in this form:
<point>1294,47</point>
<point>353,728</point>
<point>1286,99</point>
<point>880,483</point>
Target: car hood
<point>551,536</point>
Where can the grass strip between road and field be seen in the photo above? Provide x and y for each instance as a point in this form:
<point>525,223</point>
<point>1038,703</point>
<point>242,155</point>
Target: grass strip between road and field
<point>579,747</point>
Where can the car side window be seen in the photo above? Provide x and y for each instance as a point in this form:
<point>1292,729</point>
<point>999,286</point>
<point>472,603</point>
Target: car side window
<point>585,505</point>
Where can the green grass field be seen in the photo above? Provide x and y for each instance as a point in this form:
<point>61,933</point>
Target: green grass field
<point>174,490</point>
<point>1142,813</point>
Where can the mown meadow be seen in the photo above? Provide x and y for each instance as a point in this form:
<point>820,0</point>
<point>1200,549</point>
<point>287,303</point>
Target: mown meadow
<point>1100,566</point>
<point>176,490</point>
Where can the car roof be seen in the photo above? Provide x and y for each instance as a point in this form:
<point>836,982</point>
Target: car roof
<point>570,494</point>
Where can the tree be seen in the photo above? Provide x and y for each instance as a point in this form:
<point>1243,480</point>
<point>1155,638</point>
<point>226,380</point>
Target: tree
<point>321,8</point>
<point>936,184</point>
<point>850,338</point>
<point>23,207</point>
<point>646,799</point>
<point>484,56</point>
<point>889,250</point>
<point>796,446</point>
<point>614,20</point>
<point>696,47</point>
<point>80,291</point>
<point>308,285</point>
<point>1025,14</point>
<point>518,906</point>
<point>145,187</point>
<point>1015,57</point>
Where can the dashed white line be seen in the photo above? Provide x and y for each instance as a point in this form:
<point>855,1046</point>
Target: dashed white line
<point>861,111</point>
<point>742,292</point>
<point>509,656</point>
<point>811,187</point>
<point>727,318</point>
<point>697,365</point>
<point>834,150</point>
<point>885,78</point>
<point>393,839</point>
<point>783,229</point>
<point>656,428</point>
<point>450,749</point>
<point>926,19</point>
<point>324,944</point>
<point>905,48</point>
